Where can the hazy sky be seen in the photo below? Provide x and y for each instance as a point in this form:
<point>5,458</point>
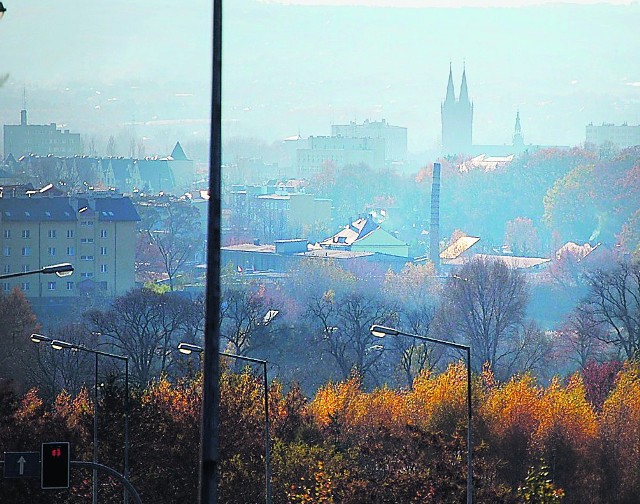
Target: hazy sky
<point>447,3</point>
<point>105,67</point>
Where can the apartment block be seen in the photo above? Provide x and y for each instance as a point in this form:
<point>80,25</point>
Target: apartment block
<point>95,232</point>
<point>621,136</point>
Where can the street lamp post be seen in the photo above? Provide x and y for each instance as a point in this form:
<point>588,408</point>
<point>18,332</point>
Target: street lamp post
<point>382,331</point>
<point>61,270</point>
<point>187,348</point>
<point>59,345</point>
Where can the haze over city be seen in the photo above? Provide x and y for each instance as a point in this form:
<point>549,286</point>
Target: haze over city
<point>407,268</point>
<point>292,68</point>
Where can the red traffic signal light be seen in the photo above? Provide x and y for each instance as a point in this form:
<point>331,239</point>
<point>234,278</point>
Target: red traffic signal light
<point>55,459</point>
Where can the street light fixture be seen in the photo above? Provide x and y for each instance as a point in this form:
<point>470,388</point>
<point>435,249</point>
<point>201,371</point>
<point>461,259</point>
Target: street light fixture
<point>188,348</point>
<point>382,331</point>
<point>39,338</point>
<point>61,270</point>
<point>60,345</point>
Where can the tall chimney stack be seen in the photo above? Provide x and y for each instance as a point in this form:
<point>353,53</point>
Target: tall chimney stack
<point>434,230</point>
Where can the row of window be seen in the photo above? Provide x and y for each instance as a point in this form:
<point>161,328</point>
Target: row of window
<point>26,267</point>
<point>52,251</point>
<point>52,286</point>
<point>52,233</point>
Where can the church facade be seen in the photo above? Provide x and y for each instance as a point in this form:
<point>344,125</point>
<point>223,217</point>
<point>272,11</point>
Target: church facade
<point>457,126</point>
<point>457,119</point>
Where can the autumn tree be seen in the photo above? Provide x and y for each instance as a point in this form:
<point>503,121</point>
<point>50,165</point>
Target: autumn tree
<point>485,304</point>
<point>110,149</point>
<point>172,227</point>
<point>412,294</point>
<point>621,439</point>
<point>582,336</point>
<point>146,326</point>
<point>341,310</point>
<point>247,314</point>
<point>18,323</point>
<point>615,301</point>
<point>522,237</point>
<point>65,370</point>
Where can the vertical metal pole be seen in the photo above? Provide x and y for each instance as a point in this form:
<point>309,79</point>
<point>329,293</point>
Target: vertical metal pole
<point>126,426</point>
<point>267,437</point>
<point>95,432</point>
<point>210,452</point>
<point>469,443</point>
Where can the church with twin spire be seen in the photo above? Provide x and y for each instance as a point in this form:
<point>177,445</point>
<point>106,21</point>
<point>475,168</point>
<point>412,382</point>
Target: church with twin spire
<point>457,125</point>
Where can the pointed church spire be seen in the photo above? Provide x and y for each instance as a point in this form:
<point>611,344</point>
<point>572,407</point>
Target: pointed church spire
<point>464,92</point>
<point>518,140</point>
<point>451,95</point>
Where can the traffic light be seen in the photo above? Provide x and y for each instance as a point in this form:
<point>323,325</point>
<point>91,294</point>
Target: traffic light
<point>55,465</point>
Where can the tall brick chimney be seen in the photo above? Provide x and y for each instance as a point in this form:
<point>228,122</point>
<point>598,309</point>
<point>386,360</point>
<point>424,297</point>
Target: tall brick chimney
<point>434,229</point>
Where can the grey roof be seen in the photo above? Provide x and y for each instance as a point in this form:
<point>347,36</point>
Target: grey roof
<point>116,209</point>
<point>36,209</point>
<point>55,209</point>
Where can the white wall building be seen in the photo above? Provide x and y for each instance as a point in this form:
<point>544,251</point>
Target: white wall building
<point>620,136</point>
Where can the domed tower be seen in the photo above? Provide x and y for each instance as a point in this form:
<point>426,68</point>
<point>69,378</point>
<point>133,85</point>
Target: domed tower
<point>457,118</point>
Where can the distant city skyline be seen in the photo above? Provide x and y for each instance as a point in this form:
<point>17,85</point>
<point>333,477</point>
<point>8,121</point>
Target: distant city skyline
<point>143,69</point>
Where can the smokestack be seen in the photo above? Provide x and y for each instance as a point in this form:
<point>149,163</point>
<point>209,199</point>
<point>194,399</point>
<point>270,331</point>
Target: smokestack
<point>434,230</point>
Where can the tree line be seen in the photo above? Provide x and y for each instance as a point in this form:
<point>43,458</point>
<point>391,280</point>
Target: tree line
<point>572,441</point>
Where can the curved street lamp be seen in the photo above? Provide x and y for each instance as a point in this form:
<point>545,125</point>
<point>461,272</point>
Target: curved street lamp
<point>188,348</point>
<point>60,345</point>
<point>61,270</point>
<point>382,331</point>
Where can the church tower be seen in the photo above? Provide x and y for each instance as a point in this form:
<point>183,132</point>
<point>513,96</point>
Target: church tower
<point>518,140</point>
<point>457,118</point>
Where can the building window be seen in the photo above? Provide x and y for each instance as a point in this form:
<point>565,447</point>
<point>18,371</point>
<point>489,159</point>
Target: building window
<point>25,286</point>
<point>71,251</point>
<point>26,234</point>
<point>103,233</point>
<point>6,268</point>
<point>103,286</point>
<point>52,251</point>
<point>7,233</point>
<point>103,250</point>
<point>25,268</point>
<point>103,268</point>
<point>5,286</point>
<point>6,251</point>
<point>69,233</point>
<point>86,258</point>
<point>86,275</point>
<point>69,286</point>
<point>26,251</point>
<point>51,286</point>
<point>86,240</point>
<point>86,223</point>
<point>52,233</point>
